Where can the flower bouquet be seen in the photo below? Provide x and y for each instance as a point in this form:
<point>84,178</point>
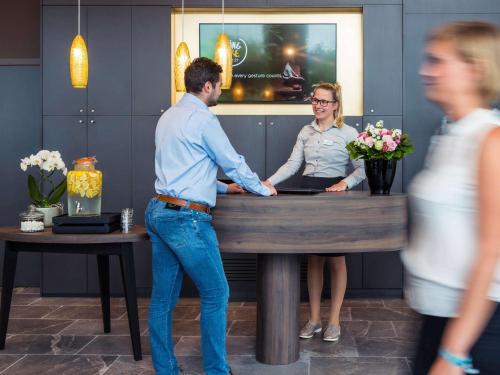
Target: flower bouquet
<point>47,162</point>
<point>380,148</point>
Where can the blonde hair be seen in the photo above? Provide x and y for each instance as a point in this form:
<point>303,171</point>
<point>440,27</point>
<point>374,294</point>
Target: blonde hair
<point>336,91</point>
<point>475,42</point>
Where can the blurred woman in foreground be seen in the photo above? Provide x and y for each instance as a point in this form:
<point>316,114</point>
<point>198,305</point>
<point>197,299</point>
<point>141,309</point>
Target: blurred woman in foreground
<point>452,260</point>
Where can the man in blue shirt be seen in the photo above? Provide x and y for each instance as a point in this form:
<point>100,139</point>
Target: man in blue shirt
<point>190,146</point>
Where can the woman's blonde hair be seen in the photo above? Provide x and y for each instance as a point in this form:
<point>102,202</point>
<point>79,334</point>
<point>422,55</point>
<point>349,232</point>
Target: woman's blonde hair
<point>336,91</point>
<point>476,42</point>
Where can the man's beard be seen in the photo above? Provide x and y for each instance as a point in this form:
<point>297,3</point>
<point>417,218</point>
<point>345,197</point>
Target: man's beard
<point>212,101</point>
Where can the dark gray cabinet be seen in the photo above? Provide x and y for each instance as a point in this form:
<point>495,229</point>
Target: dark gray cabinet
<point>382,60</point>
<point>59,27</point>
<point>247,134</point>
<point>109,47</point>
<point>151,70</point>
<point>64,273</point>
<point>281,135</point>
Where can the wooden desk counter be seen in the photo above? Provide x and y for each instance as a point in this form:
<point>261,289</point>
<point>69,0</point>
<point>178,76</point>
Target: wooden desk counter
<point>279,229</point>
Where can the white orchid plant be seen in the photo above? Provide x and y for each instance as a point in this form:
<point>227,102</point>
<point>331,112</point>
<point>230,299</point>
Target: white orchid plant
<point>48,162</point>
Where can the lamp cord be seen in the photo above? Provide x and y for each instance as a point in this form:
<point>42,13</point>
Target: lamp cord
<point>222,15</point>
<point>182,20</point>
<point>78,17</point>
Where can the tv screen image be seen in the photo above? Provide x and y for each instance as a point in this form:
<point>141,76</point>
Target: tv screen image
<point>275,63</point>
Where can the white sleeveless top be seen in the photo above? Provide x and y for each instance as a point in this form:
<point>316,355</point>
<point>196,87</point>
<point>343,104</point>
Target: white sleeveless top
<point>444,221</point>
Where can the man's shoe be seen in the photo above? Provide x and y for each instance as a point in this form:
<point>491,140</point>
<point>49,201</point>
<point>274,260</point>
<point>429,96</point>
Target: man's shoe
<point>332,333</point>
<point>310,329</point>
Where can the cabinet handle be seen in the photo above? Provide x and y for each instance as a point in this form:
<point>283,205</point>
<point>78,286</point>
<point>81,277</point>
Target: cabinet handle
<point>92,121</point>
<point>259,123</point>
<point>162,110</point>
<point>357,124</point>
<point>372,110</point>
<point>80,121</point>
<point>271,123</point>
<point>81,110</point>
<point>92,110</point>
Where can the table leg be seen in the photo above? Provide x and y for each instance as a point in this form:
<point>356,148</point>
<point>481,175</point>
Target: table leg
<point>9,273</point>
<point>103,270</point>
<point>278,301</point>
<point>128,277</point>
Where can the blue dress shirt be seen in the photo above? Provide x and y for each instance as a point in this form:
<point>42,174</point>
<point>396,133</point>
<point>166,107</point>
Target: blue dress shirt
<point>190,145</point>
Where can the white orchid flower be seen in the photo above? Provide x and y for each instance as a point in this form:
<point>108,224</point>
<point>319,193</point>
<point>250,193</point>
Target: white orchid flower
<point>23,166</point>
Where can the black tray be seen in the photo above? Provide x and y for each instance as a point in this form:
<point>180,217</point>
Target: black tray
<point>85,229</point>
<point>104,218</point>
<point>303,191</point>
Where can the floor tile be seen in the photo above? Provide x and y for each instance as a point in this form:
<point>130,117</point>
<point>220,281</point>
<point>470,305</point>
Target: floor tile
<point>363,328</point>
<point>61,365</point>
<point>126,365</point>
<point>33,312</point>
<point>359,366</point>
<point>114,345</point>
<point>94,327</point>
<point>7,360</point>
<point>407,330</point>
<point>387,347</point>
<point>243,328</point>
<point>383,314</point>
<point>247,365</point>
<point>345,347</point>
<point>37,326</point>
<point>67,301</point>
<point>45,344</point>
<point>24,299</point>
<point>84,312</point>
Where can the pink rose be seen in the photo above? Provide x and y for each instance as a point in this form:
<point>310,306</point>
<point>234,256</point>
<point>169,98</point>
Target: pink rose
<point>369,141</point>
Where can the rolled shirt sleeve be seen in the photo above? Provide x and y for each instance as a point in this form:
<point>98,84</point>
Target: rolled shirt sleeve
<point>358,174</point>
<point>293,163</point>
<point>221,187</point>
<point>234,166</point>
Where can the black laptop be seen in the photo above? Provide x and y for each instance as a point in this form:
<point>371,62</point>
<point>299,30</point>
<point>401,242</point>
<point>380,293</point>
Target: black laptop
<point>298,190</point>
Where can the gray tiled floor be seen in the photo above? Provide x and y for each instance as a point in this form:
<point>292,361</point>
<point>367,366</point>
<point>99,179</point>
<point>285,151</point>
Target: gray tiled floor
<point>65,336</point>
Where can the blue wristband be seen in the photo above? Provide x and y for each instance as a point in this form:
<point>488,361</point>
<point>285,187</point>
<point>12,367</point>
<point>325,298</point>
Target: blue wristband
<point>465,363</point>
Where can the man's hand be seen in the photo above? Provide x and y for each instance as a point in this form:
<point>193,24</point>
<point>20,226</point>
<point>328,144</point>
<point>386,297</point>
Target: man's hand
<point>271,187</point>
<point>234,188</point>
<point>341,186</point>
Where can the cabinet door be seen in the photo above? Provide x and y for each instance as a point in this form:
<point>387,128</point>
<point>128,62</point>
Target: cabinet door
<point>143,179</point>
<point>151,64</point>
<point>383,62</point>
<point>65,273</point>
<point>248,137</point>
<point>59,27</point>
<point>109,46</point>
<point>109,140</point>
<point>281,135</point>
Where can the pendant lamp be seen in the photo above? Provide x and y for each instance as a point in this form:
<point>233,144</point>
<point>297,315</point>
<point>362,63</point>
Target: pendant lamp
<point>182,59</point>
<point>78,60</point>
<point>223,55</point>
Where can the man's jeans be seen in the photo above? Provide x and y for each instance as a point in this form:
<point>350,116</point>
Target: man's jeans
<point>185,241</point>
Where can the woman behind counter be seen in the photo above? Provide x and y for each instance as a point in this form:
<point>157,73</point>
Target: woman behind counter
<point>453,256</point>
<point>321,144</point>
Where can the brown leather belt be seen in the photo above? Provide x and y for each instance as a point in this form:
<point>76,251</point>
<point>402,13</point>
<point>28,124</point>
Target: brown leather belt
<point>183,203</point>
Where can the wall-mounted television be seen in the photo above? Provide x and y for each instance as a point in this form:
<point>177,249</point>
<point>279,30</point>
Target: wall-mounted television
<point>275,63</point>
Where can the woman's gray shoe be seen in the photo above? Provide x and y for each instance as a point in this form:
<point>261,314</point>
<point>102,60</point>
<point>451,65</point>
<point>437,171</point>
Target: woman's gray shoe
<point>310,329</point>
<point>332,333</point>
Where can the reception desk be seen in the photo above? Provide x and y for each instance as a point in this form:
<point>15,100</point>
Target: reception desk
<point>279,229</point>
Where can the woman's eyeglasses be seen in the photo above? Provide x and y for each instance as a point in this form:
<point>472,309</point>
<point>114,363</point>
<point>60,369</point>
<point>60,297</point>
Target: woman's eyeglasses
<point>321,102</point>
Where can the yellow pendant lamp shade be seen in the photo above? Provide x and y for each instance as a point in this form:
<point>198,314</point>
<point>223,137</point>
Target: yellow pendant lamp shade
<point>182,61</point>
<point>79,63</point>
<point>224,57</point>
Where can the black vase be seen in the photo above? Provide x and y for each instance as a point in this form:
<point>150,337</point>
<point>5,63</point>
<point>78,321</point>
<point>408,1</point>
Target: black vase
<point>380,174</point>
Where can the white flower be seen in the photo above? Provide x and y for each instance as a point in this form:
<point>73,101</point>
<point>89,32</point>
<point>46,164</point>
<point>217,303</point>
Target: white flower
<point>65,171</point>
<point>55,154</point>
<point>35,160</point>
<point>23,166</point>
<point>43,154</point>
<point>47,166</point>
<point>396,133</point>
<point>379,124</point>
